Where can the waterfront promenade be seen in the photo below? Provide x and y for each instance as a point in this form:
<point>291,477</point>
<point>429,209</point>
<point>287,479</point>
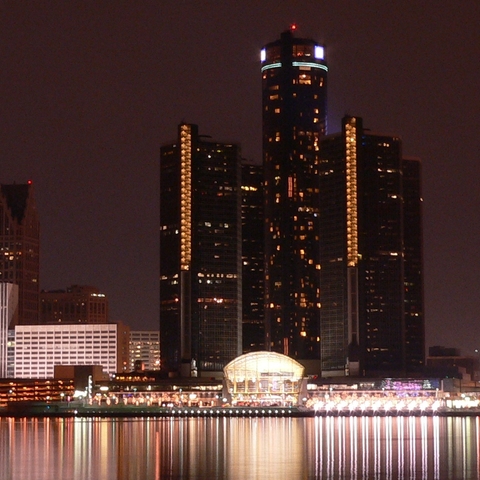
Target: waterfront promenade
<point>78,409</point>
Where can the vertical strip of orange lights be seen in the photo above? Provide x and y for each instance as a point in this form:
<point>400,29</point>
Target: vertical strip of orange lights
<point>351,190</point>
<point>185,196</point>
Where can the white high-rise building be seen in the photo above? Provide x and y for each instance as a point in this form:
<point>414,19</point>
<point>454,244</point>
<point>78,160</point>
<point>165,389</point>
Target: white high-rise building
<point>38,348</point>
<point>8,306</point>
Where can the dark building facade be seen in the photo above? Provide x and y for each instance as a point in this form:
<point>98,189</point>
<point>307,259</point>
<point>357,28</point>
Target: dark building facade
<point>76,304</point>
<point>413,263</point>
<point>371,253</point>
<point>20,248</point>
<point>200,253</point>
<point>253,292</point>
<point>294,102</point>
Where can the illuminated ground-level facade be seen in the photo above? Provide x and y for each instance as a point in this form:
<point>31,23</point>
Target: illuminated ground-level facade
<point>264,378</point>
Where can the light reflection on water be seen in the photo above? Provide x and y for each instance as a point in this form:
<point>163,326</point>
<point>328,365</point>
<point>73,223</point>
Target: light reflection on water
<point>240,448</point>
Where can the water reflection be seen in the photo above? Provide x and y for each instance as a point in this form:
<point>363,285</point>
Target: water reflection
<point>240,448</point>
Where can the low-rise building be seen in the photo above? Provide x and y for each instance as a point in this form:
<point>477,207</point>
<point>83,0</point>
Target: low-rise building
<point>144,350</point>
<point>448,362</point>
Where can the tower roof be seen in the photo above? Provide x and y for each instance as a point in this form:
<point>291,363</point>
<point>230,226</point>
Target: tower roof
<point>16,196</point>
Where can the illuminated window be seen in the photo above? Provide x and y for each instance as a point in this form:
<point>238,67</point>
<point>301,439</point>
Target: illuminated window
<point>305,79</point>
<point>319,52</point>
<point>303,51</point>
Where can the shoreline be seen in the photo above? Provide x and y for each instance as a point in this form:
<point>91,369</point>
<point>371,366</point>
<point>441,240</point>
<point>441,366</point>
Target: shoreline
<point>55,410</point>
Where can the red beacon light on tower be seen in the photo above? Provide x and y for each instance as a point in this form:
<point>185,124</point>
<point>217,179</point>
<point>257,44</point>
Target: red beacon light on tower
<point>293,27</point>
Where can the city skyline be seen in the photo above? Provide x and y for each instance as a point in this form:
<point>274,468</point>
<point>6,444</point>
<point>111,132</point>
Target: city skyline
<point>90,95</point>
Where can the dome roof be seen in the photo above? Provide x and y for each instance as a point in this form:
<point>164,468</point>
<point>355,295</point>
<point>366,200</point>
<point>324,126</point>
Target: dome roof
<point>258,364</point>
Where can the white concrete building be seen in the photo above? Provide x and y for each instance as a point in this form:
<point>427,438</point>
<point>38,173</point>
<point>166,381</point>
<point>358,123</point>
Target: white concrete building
<point>145,348</point>
<point>38,348</point>
<point>8,306</point>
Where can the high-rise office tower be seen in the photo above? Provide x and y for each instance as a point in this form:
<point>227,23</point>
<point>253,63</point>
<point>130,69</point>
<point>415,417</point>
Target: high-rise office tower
<point>413,264</point>
<point>19,248</point>
<point>8,307</point>
<point>200,253</point>
<point>253,292</point>
<point>364,253</point>
<point>294,82</point>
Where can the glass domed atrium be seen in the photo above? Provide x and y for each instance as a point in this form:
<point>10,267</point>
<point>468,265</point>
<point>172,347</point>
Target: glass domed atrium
<point>263,378</point>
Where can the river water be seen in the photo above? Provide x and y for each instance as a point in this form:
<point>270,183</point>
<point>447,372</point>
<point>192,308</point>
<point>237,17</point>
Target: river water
<point>240,448</point>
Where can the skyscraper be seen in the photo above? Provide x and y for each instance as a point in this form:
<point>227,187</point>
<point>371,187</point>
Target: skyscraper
<point>413,264</point>
<point>294,81</point>
<point>365,249</point>
<point>253,257</point>
<point>8,307</point>
<point>200,253</point>
<point>20,248</point>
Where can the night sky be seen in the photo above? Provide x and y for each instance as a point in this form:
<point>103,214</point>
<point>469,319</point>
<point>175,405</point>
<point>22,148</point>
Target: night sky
<point>90,90</point>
